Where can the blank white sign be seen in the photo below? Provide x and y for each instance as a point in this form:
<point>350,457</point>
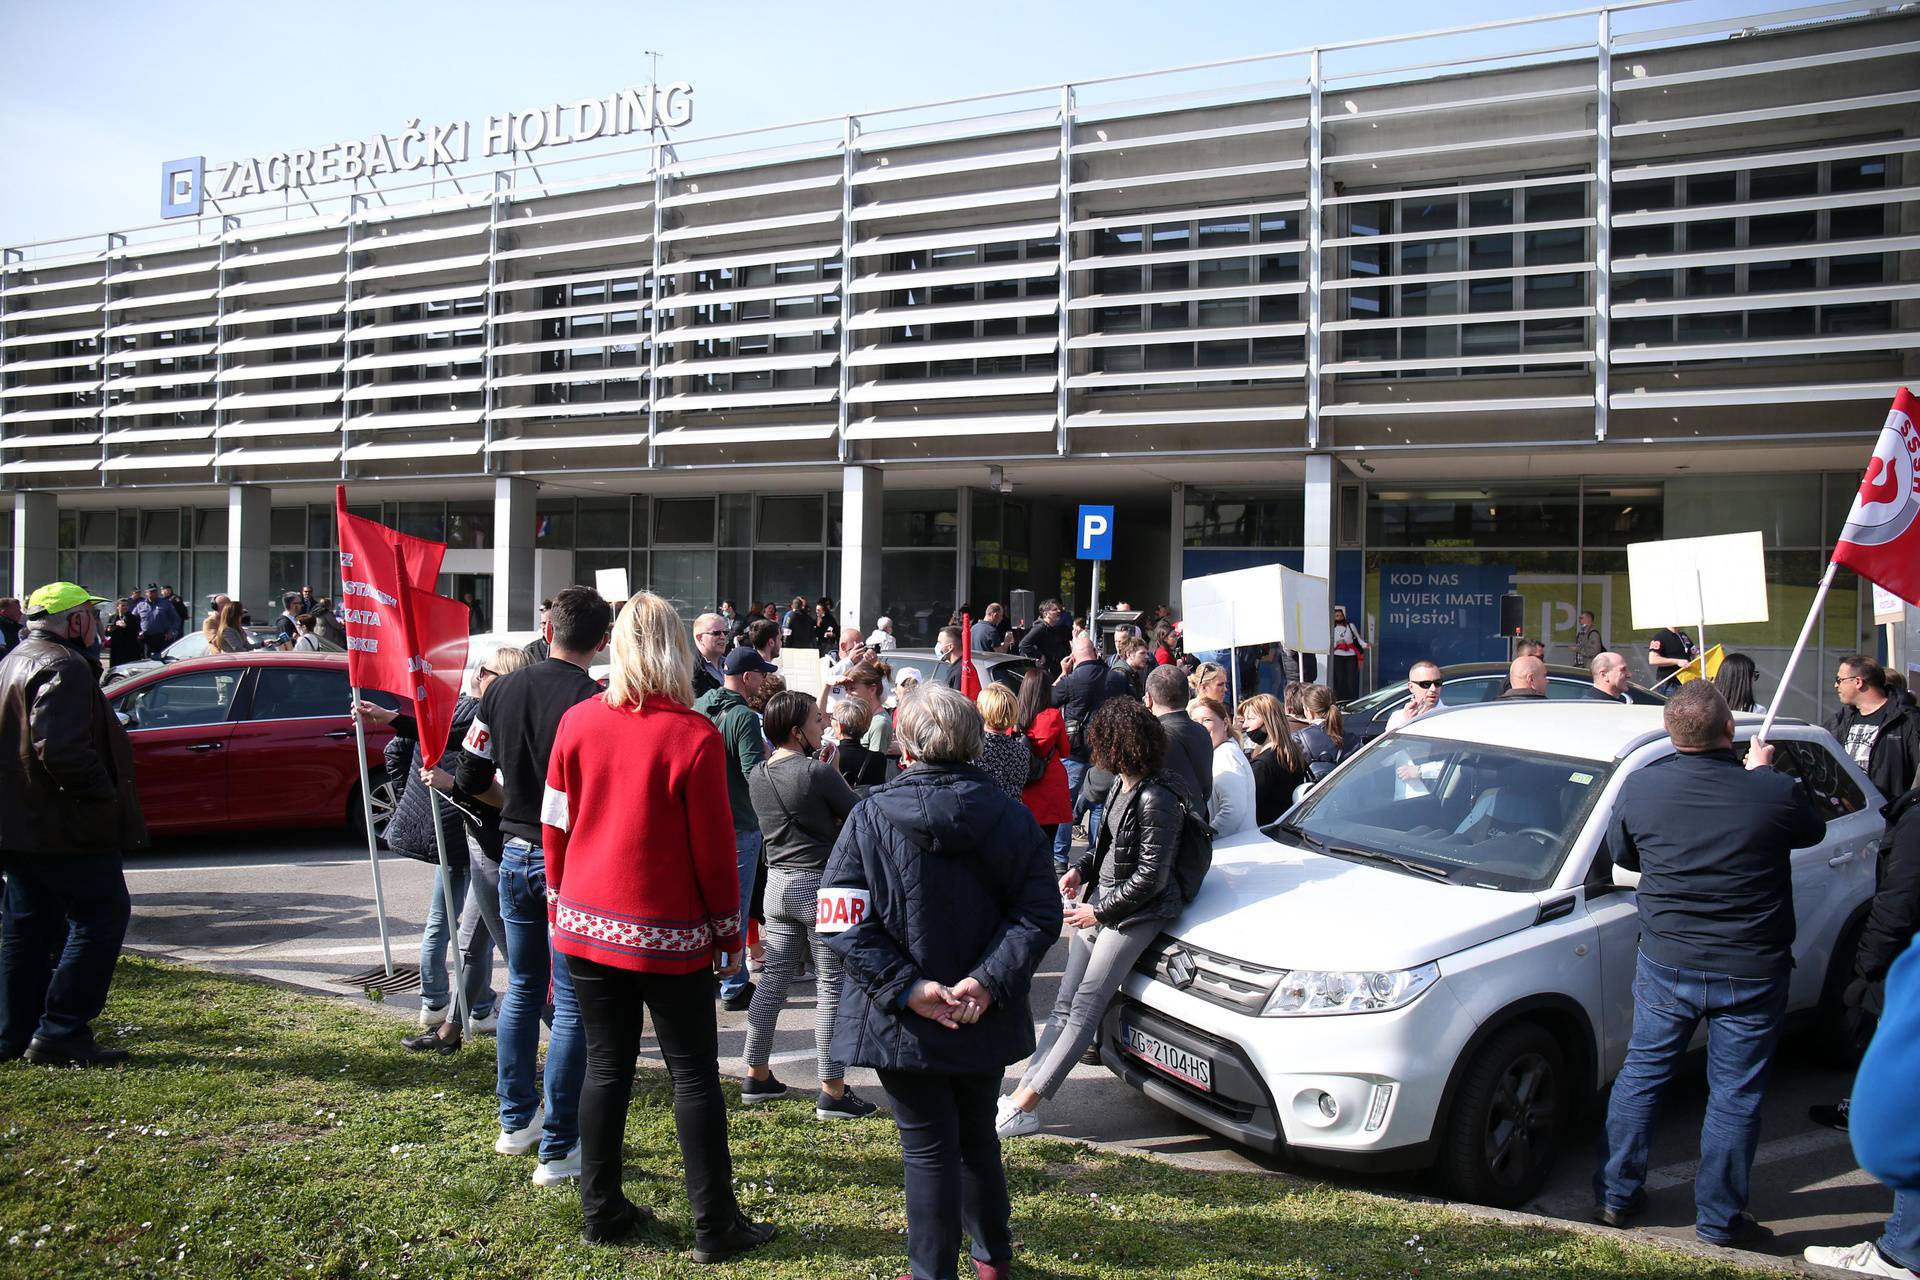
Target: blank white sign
<point>1266,604</point>
<point>1714,581</point>
<point>612,585</point>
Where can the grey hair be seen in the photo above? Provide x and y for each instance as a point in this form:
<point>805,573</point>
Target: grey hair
<point>939,725</point>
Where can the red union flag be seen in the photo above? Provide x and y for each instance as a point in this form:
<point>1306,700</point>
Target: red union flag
<point>376,563</point>
<point>1881,541</point>
<point>432,633</point>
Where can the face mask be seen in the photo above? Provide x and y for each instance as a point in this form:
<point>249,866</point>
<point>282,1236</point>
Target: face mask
<point>1256,736</point>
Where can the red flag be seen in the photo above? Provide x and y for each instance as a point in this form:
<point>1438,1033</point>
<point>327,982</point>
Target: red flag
<point>433,637</point>
<point>376,563</point>
<point>1881,540</point>
<point>969,678</point>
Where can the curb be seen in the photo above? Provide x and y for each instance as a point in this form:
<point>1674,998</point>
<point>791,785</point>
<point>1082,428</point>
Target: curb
<point>1507,1217</point>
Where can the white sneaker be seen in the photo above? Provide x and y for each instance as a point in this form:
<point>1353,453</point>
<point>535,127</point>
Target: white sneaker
<point>431,1018</point>
<point>1005,1107</point>
<point>551,1173</point>
<point>487,1025</point>
<point>520,1141</point>
<point>1864,1259</point>
<point>1018,1124</point>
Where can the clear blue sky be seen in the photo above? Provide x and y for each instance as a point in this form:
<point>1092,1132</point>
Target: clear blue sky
<point>95,95</point>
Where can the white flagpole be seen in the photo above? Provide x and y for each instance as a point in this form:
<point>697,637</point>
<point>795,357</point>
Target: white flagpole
<point>1700,599</point>
<point>373,838</point>
<point>1799,647</point>
<point>453,914</point>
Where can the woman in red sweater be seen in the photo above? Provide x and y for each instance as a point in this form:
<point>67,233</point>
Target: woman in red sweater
<point>644,899</point>
<point>1048,799</point>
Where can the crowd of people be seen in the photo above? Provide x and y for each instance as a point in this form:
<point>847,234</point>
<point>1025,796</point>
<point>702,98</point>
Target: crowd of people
<point>696,836</point>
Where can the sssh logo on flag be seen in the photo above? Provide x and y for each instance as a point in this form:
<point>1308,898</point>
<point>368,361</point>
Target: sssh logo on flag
<point>1881,540</point>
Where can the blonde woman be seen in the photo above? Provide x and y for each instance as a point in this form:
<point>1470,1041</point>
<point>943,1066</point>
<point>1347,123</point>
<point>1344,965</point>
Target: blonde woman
<point>637,828</point>
<point>1004,752</point>
<point>1211,680</point>
<point>222,630</point>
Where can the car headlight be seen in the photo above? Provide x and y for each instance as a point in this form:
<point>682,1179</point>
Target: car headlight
<point>1325,991</point>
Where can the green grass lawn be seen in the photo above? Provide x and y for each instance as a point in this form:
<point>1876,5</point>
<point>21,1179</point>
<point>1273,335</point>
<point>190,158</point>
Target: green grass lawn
<point>263,1133</point>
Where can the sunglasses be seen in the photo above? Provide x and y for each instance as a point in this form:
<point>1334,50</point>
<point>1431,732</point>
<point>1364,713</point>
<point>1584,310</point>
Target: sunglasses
<point>1427,684</point>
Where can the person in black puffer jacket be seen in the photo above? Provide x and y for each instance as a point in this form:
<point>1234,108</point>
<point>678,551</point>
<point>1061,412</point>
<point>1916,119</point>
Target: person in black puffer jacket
<point>1323,744</point>
<point>939,899</point>
<point>1130,868</point>
<point>472,833</point>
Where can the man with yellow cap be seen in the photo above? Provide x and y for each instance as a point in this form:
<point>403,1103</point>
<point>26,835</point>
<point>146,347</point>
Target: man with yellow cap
<point>68,812</point>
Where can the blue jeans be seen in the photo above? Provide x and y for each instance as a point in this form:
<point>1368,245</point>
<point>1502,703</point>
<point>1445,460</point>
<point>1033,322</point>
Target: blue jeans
<point>1063,837</point>
<point>477,955</point>
<point>65,918</point>
<point>531,964</point>
<point>746,858</point>
<point>1744,1017</point>
<point>1900,1241</point>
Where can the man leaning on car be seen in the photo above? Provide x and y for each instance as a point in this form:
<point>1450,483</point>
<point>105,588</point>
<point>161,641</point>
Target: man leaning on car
<point>1712,843</point>
<point>68,811</point>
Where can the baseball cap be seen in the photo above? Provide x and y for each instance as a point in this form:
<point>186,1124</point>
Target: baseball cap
<point>745,659</point>
<point>58,597</point>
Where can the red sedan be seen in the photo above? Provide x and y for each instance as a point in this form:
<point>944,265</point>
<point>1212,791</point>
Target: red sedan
<point>245,740</point>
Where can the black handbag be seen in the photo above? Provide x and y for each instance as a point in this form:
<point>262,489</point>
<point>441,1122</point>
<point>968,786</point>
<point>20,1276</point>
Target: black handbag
<point>1037,761</point>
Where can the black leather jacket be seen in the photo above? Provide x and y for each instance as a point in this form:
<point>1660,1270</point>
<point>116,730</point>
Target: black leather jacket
<point>1143,840</point>
<point>66,767</point>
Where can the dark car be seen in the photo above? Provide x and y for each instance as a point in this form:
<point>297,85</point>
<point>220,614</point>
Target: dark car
<point>1008,668</point>
<point>1365,719</point>
<point>251,740</point>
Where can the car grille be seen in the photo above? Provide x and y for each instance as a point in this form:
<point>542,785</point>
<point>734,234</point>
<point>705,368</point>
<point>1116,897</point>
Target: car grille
<point>1206,975</point>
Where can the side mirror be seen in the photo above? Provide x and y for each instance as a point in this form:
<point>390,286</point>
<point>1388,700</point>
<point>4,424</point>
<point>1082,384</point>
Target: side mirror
<point>126,721</point>
<point>1300,792</point>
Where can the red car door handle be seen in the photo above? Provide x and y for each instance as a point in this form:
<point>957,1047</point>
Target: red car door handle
<point>206,746</point>
<point>341,733</point>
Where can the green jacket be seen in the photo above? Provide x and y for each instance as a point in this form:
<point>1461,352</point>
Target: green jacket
<point>746,747</point>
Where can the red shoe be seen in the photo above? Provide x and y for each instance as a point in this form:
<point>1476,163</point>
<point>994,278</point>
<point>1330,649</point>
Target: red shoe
<point>988,1271</point>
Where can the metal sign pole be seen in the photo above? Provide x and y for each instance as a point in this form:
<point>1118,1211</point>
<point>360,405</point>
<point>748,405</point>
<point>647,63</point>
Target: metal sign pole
<point>1093,609</point>
<point>373,837</point>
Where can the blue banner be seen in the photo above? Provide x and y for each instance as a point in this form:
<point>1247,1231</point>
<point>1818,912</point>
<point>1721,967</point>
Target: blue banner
<point>1445,613</point>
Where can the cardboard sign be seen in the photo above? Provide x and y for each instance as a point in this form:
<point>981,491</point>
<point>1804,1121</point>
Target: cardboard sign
<point>612,585</point>
<point>1714,581</point>
<point>839,908</point>
<point>1306,610</point>
<point>1887,607</point>
<point>1267,604</point>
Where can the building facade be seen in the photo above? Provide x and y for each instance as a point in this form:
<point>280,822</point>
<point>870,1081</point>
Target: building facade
<point>1438,316</point>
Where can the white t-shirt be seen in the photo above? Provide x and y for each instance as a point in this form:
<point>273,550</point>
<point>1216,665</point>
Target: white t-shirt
<point>1230,809</point>
<point>882,641</point>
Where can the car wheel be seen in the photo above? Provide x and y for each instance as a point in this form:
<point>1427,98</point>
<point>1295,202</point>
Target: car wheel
<point>1504,1129</point>
<point>385,797</point>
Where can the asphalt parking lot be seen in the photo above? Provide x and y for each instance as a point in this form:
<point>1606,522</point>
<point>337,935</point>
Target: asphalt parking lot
<point>298,908</point>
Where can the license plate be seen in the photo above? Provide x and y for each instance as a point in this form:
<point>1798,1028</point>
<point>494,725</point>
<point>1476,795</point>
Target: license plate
<point>1190,1068</point>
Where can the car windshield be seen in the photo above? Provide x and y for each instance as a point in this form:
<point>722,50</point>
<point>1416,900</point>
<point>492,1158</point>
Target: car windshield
<point>1383,697</point>
<point>1480,815</point>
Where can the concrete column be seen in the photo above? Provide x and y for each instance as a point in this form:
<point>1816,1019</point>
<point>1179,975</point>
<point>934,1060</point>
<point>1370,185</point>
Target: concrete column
<point>1176,543</point>
<point>861,490</point>
<point>249,542</point>
<point>1323,493</point>
<point>515,606</point>
<point>36,542</point>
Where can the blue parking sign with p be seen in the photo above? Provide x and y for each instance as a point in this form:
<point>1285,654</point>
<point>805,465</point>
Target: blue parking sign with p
<point>181,183</point>
<point>1095,539</point>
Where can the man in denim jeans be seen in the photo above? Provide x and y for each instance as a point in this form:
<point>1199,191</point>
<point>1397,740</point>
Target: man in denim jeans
<point>746,751</point>
<point>513,735</point>
<point>1713,845</point>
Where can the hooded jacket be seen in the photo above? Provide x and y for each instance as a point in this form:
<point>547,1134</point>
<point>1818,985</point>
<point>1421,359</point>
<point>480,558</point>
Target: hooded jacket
<point>66,766</point>
<point>746,748</point>
<point>958,883</point>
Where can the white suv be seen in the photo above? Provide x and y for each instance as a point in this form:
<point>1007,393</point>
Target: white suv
<point>1429,960</point>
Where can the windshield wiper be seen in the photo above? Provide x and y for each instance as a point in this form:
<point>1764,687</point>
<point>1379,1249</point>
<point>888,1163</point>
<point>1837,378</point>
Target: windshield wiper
<point>1321,845</point>
<point>1405,864</point>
